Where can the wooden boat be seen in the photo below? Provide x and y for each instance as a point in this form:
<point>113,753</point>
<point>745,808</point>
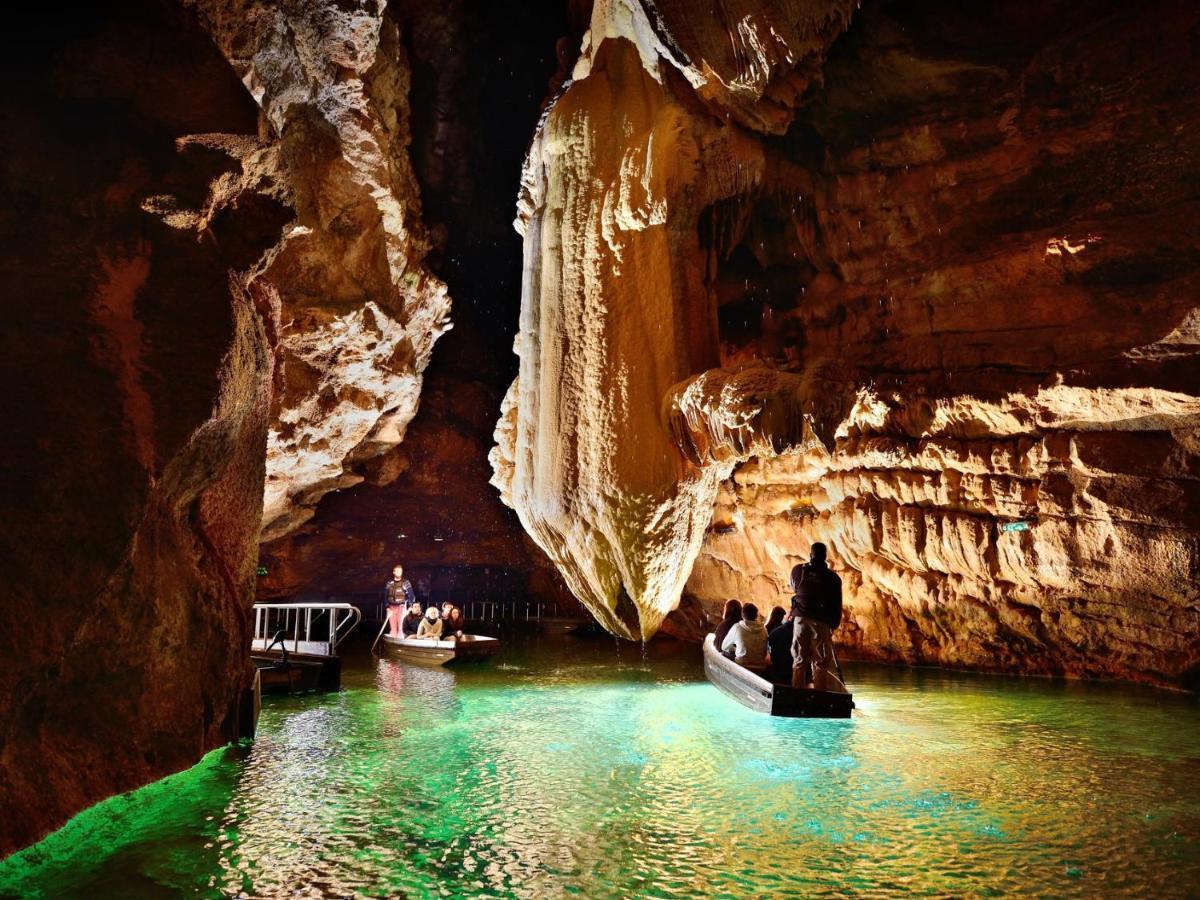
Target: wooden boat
<point>749,688</point>
<point>426,652</point>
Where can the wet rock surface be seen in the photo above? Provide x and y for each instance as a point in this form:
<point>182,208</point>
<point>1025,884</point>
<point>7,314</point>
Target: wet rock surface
<point>359,309</point>
<point>479,75</point>
<point>941,315</point>
<point>138,370</point>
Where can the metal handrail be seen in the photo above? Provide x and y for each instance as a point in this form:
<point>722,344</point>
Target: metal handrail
<point>495,611</point>
<point>298,617</point>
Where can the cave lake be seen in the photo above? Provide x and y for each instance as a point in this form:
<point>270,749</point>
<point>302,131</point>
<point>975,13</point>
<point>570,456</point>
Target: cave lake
<point>584,767</point>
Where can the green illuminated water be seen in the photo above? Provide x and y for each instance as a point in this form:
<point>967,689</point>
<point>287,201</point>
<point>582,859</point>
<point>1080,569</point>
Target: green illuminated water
<point>570,767</point>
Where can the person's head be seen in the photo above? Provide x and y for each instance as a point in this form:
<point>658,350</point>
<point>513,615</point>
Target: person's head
<point>431,614</point>
<point>818,554</point>
<point>446,607</point>
<point>775,619</point>
<point>733,610</point>
<point>398,572</point>
<point>415,609</point>
<point>750,612</point>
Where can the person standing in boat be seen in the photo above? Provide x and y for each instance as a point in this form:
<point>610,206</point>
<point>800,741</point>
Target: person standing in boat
<point>747,639</point>
<point>399,596</point>
<point>816,614</point>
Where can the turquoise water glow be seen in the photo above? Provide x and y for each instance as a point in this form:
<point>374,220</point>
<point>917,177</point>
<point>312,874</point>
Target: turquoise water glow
<point>570,767</point>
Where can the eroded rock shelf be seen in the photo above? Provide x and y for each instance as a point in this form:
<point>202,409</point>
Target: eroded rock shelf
<point>893,279</point>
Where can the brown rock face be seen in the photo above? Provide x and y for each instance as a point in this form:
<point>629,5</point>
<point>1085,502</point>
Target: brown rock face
<point>951,279</point>
<point>478,77</point>
<point>137,374</point>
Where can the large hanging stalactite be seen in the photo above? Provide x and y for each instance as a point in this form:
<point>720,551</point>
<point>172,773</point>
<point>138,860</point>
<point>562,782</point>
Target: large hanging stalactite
<point>985,304</point>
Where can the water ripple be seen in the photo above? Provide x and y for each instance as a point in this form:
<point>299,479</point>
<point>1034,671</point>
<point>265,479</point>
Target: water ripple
<point>602,773</point>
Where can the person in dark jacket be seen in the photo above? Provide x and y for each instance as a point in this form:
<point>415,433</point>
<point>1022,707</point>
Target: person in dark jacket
<point>816,613</point>
<point>452,621</point>
<point>779,648</point>
<point>412,620</point>
<point>398,595</point>
<point>731,616</point>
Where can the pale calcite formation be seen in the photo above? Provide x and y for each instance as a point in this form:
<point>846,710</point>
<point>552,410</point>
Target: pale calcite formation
<point>359,310</point>
<point>957,327</point>
<point>615,311</point>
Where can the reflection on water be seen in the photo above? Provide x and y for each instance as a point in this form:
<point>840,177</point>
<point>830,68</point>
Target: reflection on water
<point>587,767</point>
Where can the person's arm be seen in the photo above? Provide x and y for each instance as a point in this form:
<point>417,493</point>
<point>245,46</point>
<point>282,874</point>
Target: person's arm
<point>836,615</point>
<point>730,641</point>
<point>410,596</point>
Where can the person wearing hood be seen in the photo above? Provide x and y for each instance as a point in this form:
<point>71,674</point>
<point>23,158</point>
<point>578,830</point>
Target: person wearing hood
<point>816,614</point>
<point>748,639</point>
<point>431,626</point>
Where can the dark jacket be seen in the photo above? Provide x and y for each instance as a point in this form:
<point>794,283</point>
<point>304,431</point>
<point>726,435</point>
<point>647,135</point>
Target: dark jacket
<point>817,594</point>
<point>399,593</point>
<point>779,643</point>
<point>410,623</point>
<point>452,623</point>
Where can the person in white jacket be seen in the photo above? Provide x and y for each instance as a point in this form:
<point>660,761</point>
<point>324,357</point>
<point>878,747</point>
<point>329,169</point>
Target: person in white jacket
<point>431,625</point>
<point>748,639</point>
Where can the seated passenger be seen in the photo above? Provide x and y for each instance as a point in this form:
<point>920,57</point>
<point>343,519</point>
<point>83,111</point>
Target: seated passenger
<point>730,617</point>
<point>412,620</point>
<point>452,620</point>
<point>431,625</point>
<point>748,639</point>
<point>779,647</point>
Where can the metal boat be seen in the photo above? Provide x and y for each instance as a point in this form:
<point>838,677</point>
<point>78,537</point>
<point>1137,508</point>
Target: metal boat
<point>426,652</point>
<point>749,688</point>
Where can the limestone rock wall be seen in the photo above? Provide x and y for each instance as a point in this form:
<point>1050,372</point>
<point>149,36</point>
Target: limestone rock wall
<point>138,368</point>
<point>615,310</point>
<point>951,281</point>
<point>478,76</point>
<point>360,311</point>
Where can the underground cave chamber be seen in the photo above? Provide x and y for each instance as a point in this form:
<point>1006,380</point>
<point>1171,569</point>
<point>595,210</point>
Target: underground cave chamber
<point>594,316</point>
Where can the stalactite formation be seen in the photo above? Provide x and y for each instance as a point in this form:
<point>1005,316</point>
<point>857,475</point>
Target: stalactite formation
<point>919,283</point>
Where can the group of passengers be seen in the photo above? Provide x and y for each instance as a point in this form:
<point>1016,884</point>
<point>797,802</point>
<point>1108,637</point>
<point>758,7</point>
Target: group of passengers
<point>795,646</point>
<point>407,618</point>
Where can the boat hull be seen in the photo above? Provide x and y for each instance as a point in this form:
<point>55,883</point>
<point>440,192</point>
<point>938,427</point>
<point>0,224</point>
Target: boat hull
<point>425,652</point>
<point>757,693</point>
